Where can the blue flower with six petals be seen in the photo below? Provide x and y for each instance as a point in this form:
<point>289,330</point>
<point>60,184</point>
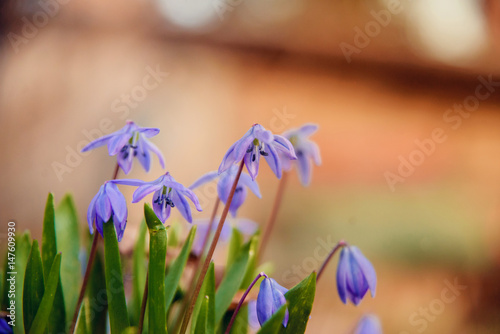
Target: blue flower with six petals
<point>256,142</point>
<point>226,180</point>
<point>108,203</point>
<point>168,194</point>
<point>270,298</point>
<point>129,142</point>
<point>355,275</point>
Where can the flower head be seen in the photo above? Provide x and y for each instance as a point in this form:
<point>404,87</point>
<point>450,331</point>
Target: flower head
<point>226,180</point>
<point>369,324</point>
<point>168,194</point>
<point>270,298</point>
<point>129,142</point>
<point>305,149</point>
<point>355,275</point>
<point>256,142</point>
<point>108,204</point>
<point>247,227</point>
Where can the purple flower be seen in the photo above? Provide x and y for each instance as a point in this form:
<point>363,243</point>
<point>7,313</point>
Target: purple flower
<point>167,194</point>
<point>256,142</point>
<point>369,324</point>
<point>247,227</point>
<point>129,142</point>
<point>355,275</point>
<point>253,321</point>
<point>4,327</point>
<point>270,298</point>
<point>306,151</point>
<point>107,204</point>
<point>225,183</point>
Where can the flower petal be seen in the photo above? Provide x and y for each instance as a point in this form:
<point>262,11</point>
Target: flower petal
<point>97,143</point>
<point>252,164</point>
<point>117,142</point>
<point>103,206</point>
<point>91,212</point>
<point>247,181</point>
<point>228,159</point>
<point>367,269</point>
<point>240,194</point>
<point>304,168</point>
<point>148,132</point>
<point>204,179</point>
<point>124,159</point>
<point>273,160</point>
<point>182,205</point>
<point>342,272</point>
<point>189,194</point>
<point>142,153</point>
<point>307,129</point>
<point>129,182</point>
<point>153,148</point>
<point>118,203</point>
<point>284,145</point>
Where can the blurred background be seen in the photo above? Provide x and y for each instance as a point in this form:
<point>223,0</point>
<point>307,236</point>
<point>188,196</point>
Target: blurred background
<point>406,94</point>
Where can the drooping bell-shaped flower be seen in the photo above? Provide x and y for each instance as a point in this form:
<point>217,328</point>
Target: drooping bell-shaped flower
<point>226,180</point>
<point>369,324</point>
<point>246,227</point>
<point>306,150</point>
<point>108,204</point>
<point>168,194</point>
<point>129,142</point>
<point>355,275</point>
<point>256,142</point>
<point>270,298</point>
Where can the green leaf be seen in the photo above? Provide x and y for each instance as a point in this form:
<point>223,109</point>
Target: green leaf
<point>96,297</point>
<point>201,323</point>
<point>117,306</point>
<point>274,324</point>
<point>42,316</point>
<point>231,282</point>
<point>177,267</point>
<point>156,280</point>
<point>139,269</point>
<point>235,244</point>
<point>33,286</point>
<point>207,289</point>
<point>82,322</point>
<point>251,270</point>
<point>23,249</point>
<point>300,301</point>
<point>57,322</point>
<point>68,243</point>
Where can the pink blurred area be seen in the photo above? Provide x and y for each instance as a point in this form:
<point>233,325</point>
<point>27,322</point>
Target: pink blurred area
<point>368,72</point>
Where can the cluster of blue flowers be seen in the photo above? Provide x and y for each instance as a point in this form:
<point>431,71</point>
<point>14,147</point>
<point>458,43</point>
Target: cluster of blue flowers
<point>355,274</point>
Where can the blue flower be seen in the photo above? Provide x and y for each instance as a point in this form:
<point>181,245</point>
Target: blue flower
<point>4,327</point>
<point>247,227</point>
<point>355,275</point>
<point>306,151</point>
<point>270,298</point>
<point>369,324</point>
<point>256,142</point>
<point>225,183</point>
<point>107,204</point>
<point>129,142</point>
<point>168,194</point>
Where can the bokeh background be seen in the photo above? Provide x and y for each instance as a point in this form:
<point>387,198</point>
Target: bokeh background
<point>379,77</point>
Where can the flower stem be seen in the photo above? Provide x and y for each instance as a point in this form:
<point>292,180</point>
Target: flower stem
<point>211,250</point>
<point>339,245</point>
<point>143,305</point>
<point>210,226</point>
<point>274,213</point>
<point>93,250</point>
<point>230,325</point>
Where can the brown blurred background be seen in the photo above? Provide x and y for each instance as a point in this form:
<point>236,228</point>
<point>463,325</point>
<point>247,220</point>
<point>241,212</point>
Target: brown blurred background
<point>379,77</point>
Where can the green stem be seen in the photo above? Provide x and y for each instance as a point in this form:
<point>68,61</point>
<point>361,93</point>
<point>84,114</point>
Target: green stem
<point>211,250</point>
<point>117,305</point>
<point>143,305</point>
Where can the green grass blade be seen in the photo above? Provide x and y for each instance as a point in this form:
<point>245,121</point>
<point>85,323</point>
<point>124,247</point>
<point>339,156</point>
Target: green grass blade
<point>207,288</point>
<point>33,286</point>
<point>176,268</point>
<point>156,282</point>
<point>82,321</point>
<point>231,282</point>
<point>96,297</point>
<point>274,324</point>
<point>68,243</point>
<point>139,268</point>
<point>43,315</point>
<point>57,322</point>
<point>23,248</point>
<point>235,244</point>
<point>117,306</point>
<point>300,301</point>
<point>201,323</point>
